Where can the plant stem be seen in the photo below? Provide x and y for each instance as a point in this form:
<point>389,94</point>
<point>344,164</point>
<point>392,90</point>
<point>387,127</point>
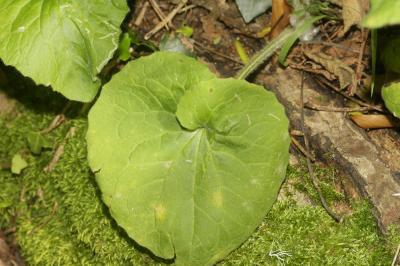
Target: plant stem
<point>261,56</point>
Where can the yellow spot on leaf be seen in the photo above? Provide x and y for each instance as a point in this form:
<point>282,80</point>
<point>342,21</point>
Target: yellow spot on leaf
<point>159,210</point>
<point>218,199</point>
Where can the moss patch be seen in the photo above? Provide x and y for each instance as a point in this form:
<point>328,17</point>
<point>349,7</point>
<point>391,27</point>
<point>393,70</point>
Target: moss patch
<point>60,219</point>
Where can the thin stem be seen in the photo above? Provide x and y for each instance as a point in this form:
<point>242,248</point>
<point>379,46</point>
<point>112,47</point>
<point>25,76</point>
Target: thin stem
<point>309,166</point>
<point>261,56</point>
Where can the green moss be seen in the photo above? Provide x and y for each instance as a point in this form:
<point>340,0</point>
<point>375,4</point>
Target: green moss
<point>61,220</point>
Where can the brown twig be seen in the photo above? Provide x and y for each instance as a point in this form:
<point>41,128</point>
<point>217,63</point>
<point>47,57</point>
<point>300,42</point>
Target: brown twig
<point>357,77</point>
<point>302,149</point>
<point>59,151</point>
<point>309,166</point>
<point>322,82</point>
<point>141,14</point>
<point>57,121</point>
<point>167,19</point>
<point>335,109</point>
<point>160,14</point>
<point>186,8</point>
<point>396,256</point>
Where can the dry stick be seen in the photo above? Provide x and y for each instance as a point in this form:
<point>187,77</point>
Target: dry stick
<point>168,18</point>
<point>140,17</point>
<point>396,256</point>
<point>160,14</point>
<point>361,103</point>
<point>335,109</point>
<point>186,8</point>
<point>358,69</point>
<point>198,45</point>
<point>302,149</point>
<point>59,151</point>
<point>57,121</point>
<point>307,146</point>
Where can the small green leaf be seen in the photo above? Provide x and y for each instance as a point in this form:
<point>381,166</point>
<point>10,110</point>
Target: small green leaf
<point>241,52</point>
<point>185,31</point>
<point>37,142</point>
<point>124,46</point>
<point>62,43</point>
<point>252,8</point>
<point>391,97</point>
<point>300,29</point>
<point>5,204</point>
<point>188,164</point>
<point>383,13</point>
<point>18,164</point>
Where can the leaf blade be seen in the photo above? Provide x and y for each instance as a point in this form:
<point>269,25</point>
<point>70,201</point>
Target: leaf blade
<point>176,191</point>
<point>64,44</point>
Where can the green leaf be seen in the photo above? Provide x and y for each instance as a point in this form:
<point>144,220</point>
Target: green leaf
<point>124,46</point>
<point>62,43</point>
<point>300,29</point>
<point>187,163</point>
<point>37,142</point>
<point>383,13</point>
<point>185,31</point>
<point>18,164</point>
<point>391,97</point>
<point>252,8</point>
<point>390,53</point>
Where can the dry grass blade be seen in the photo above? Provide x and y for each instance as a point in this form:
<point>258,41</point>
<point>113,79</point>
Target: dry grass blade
<point>396,256</point>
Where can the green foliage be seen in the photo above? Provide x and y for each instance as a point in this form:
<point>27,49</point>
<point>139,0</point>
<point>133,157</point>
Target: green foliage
<point>178,155</point>
<point>81,232</point>
<point>64,44</point>
<point>383,13</point>
<point>37,142</point>
<point>301,28</point>
<point>391,96</point>
<point>124,53</point>
<point>252,8</point>
<point>185,31</point>
<point>390,54</point>
<point>18,164</point>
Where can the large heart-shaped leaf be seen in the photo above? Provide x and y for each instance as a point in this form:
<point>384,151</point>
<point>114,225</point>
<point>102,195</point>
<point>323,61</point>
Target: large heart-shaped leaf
<point>61,43</point>
<point>187,163</point>
<point>252,8</point>
<point>391,96</point>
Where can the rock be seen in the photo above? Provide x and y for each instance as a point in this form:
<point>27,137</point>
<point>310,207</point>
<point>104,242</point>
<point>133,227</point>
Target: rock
<point>337,140</point>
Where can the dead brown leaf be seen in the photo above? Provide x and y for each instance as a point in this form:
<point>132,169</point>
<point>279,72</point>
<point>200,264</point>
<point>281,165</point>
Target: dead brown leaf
<point>280,17</point>
<point>352,12</point>
<point>345,73</point>
<point>375,121</point>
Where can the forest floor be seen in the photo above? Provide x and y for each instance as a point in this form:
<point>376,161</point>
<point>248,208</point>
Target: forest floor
<point>56,216</point>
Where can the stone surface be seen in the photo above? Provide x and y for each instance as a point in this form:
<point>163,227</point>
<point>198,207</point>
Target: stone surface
<point>366,159</point>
